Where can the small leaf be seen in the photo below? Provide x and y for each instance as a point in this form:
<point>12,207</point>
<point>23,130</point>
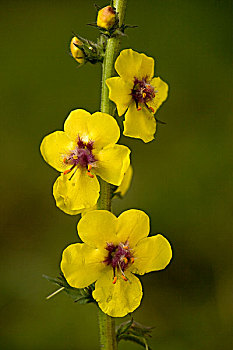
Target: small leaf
<point>79,295</point>
<point>138,340</point>
<point>135,332</point>
<point>123,327</point>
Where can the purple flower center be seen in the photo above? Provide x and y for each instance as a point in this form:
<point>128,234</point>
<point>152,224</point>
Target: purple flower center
<point>142,92</point>
<point>119,257</point>
<point>81,156</point>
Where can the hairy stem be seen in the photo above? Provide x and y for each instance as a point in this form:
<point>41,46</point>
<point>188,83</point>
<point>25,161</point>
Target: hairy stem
<point>112,50</point>
<point>107,323</point>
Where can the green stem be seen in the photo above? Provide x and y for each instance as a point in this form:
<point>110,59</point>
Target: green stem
<point>107,332</point>
<point>107,323</point>
<point>112,50</point>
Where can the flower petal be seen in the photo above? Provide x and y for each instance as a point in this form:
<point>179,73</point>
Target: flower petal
<point>120,93</point>
<point>132,226</point>
<point>103,129</point>
<point>77,124</point>
<point>113,162</point>
<point>73,196</point>
<point>97,228</point>
<point>81,265</point>
<point>119,299</point>
<point>54,147</point>
<point>139,124</point>
<point>126,182</point>
<point>161,92</point>
<point>151,254</point>
<point>131,64</point>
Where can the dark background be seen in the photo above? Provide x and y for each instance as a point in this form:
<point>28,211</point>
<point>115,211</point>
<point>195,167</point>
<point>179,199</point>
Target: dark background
<point>182,179</point>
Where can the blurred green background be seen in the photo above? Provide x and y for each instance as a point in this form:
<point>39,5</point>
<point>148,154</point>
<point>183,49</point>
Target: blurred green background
<point>182,179</point>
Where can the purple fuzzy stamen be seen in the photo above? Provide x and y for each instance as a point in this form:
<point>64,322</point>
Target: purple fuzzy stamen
<point>82,155</point>
<point>119,256</point>
<point>142,91</point>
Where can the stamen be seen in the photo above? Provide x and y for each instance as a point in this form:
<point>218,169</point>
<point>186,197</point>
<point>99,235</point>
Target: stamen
<point>90,175</point>
<point>114,280</point>
<point>89,167</point>
<point>122,273</point>
<point>73,174</point>
<point>124,278</point>
<point>152,109</point>
<point>67,171</point>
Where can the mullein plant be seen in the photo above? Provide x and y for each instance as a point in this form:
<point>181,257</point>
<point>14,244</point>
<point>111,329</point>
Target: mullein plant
<point>94,169</point>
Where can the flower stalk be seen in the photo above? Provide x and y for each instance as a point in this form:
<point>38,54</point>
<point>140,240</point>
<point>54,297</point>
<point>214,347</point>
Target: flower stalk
<point>112,50</point>
<point>107,323</point>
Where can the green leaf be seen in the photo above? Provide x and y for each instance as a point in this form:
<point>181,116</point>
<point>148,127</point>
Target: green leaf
<point>79,295</point>
<point>138,340</point>
<point>135,332</point>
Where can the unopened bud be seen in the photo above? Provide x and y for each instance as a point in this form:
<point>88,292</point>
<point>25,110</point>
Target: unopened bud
<point>76,52</point>
<point>106,17</point>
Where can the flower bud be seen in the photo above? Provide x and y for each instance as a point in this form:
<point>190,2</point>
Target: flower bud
<point>106,17</point>
<point>76,52</point>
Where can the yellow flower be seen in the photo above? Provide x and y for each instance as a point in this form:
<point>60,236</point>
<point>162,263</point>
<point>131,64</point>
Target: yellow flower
<point>137,92</point>
<point>114,249</point>
<point>76,52</point>
<point>85,149</point>
<point>106,17</point>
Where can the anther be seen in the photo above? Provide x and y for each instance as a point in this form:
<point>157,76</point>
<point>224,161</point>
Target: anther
<point>139,108</point>
<point>65,160</point>
<point>144,95</point>
<point>125,247</point>
<point>124,278</point>
<point>125,260</point>
<point>75,157</point>
<point>67,171</point>
<point>114,280</point>
<point>90,175</point>
<point>152,109</point>
<point>89,167</point>
<point>132,260</point>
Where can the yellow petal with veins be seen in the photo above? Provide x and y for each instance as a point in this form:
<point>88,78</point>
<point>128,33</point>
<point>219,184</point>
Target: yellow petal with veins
<point>103,130</point>
<point>151,254</point>
<point>119,299</point>
<point>73,196</point>
<point>139,124</point>
<point>132,226</point>
<point>113,162</point>
<point>120,93</point>
<point>97,228</point>
<point>81,265</point>
<point>161,93</point>
<point>131,64</point>
<point>126,182</point>
<point>55,147</point>
<point>77,124</point>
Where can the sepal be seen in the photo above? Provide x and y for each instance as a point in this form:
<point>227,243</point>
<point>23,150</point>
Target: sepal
<point>134,332</point>
<point>92,52</point>
<point>107,22</point>
<point>79,295</point>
